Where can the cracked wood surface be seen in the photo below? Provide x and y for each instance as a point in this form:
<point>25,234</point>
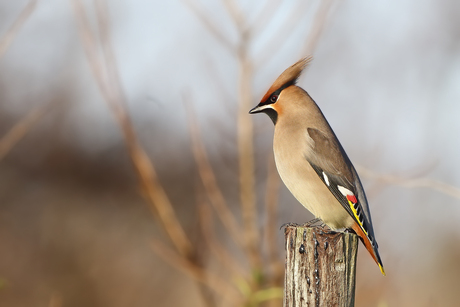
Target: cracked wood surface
<point>320,267</point>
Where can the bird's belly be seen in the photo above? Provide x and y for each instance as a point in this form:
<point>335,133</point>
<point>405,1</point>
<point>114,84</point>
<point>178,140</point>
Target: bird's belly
<point>303,182</point>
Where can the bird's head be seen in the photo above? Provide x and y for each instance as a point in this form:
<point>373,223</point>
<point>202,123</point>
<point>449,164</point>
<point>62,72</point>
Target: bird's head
<point>272,102</point>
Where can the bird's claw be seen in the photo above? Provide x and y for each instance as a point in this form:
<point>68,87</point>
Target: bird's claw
<point>289,224</point>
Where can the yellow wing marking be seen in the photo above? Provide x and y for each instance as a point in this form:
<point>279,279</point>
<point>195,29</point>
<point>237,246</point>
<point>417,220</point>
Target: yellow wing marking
<point>355,213</point>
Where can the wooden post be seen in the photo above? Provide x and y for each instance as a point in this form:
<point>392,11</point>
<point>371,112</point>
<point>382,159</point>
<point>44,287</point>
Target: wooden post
<point>320,267</point>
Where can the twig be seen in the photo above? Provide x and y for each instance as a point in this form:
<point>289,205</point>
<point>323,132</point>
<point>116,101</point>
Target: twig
<point>276,267</point>
<point>109,85</point>
<point>265,15</point>
<point>246,156</point>
<point>221,86</point>
<point>426,183</point>
<point>209,24</point>
<point>8,37</point>
<point>109,57</point>
<point>245,135</point>
<point>208,178</point>
<point>199,274</point>
<point>203,255</point>
<point>20,129</point>
<point>236,14</point>
<point>271,207</point>
<point>283,32</point>
<point>91,50</point>
<point>222,255</point>
<point>317,27</point>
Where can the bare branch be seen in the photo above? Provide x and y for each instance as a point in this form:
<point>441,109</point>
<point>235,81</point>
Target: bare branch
<point>246,156</point>
<point>8,37</point>
<point>295,15</point>
<point>91,50</point>
<point>197,273</point>
<point>222,89</point>
<point>20,129</point>
<point>266,14</point>
<point>271,207</point>
<point>425,183</point>
<point>158,200</point>
<point>208,178</point>
<point>235,13</point>
<point>209,24</point>
<point>222,255</point>
<point>109,56</point>
<point>317,28</point>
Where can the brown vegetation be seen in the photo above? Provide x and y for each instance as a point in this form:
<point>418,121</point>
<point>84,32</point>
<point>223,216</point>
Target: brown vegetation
<point>75,232</point>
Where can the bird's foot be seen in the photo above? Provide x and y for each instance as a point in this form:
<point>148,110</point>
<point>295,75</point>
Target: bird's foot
<point>289,224</point>
<point>331,231</point>
<point>324,229</point>
<point>314,221</point>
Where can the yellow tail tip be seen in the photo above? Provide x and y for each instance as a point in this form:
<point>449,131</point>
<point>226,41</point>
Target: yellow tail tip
<point>382,269</point>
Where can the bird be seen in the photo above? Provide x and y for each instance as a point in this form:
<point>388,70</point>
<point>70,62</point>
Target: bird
<point>311,161</point>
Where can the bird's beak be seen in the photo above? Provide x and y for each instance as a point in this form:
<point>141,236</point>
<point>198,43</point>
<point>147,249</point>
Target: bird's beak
<point>260,108</point>
<point>254,110</point>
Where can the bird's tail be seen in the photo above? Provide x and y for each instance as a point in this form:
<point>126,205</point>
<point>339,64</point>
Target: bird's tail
<point>367,243</point>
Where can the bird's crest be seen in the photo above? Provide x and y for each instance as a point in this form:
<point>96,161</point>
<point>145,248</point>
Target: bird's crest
<point>289,76</point>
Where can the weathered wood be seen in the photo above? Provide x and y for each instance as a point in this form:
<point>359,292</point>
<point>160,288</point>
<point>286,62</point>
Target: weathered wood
<point>320,267</point>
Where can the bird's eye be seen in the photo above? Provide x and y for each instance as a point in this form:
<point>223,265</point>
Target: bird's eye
<point>274,98</point>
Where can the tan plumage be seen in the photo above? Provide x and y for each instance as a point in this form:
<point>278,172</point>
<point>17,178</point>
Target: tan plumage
<point>311,161</point>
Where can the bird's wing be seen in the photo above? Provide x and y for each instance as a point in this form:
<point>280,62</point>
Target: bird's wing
<point>333,167</point>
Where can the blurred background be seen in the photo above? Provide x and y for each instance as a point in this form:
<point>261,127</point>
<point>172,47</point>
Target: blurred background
<point>132,175</point>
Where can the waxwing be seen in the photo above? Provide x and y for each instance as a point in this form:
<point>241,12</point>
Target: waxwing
<point>312,163</point>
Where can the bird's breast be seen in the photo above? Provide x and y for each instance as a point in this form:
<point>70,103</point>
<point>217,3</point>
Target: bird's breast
<point>291,150</point>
